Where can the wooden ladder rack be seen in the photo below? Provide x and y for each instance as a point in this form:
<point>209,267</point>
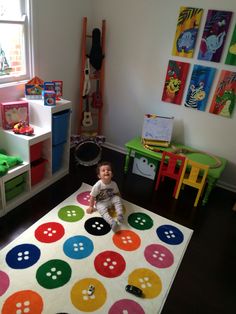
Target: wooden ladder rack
<point>96,113</point>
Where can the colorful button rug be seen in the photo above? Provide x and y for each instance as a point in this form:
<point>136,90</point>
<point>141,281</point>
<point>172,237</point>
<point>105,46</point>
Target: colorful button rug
<point>50,267</point>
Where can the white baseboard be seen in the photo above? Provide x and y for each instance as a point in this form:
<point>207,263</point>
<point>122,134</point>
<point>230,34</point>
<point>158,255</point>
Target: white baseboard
<point>226,186</point>
<point>116,148</point>
<point>122,150</point>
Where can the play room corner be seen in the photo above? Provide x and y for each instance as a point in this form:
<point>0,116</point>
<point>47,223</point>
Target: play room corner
<point>117,158</point>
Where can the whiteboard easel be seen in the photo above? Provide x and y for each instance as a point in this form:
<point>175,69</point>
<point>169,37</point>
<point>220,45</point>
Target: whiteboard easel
<point>157,128</point>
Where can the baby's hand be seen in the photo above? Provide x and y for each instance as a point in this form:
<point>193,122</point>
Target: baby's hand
<point>90,210</point>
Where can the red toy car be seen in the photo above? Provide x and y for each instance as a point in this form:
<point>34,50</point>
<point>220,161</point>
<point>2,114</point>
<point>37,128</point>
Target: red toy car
<point>23,128</point>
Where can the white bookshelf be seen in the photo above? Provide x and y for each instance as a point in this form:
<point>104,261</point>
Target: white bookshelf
<point>19,145</point>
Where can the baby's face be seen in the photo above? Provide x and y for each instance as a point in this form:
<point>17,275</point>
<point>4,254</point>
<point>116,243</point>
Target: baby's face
<point>105,174</point>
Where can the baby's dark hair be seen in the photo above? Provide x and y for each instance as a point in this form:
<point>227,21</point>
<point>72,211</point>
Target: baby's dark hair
<point>103,163</point>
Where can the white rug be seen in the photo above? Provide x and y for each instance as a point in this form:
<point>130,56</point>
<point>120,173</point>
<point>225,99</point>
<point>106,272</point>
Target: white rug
<point>49,268</point>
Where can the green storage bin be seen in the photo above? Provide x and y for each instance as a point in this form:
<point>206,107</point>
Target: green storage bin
<point>15,191</point>
<point>15,186</point>
<point>11,184</point>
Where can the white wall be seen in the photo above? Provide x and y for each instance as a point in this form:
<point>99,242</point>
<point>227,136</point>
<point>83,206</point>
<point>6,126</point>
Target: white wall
<point>140,36</point>
<point>57,33</point>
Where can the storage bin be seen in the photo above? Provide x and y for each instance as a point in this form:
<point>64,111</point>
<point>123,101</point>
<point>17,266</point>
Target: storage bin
<point>15,186</point>
<point>38,168</point>
<point>36,151</point>
<point>57,154</point>
<point>145,166</point>
<point>15,192</point>
<point>11,184</point>
<point>60,124</point>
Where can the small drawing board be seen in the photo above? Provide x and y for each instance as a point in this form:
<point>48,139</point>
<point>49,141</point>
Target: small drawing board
<point>157,128</point>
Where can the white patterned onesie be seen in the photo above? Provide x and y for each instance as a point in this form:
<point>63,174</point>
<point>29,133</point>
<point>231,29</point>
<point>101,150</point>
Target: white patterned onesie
<point>106,196</point>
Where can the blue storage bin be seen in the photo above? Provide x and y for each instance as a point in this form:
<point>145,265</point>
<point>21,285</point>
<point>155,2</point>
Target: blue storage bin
<point>60,124</point>
<point>57,154</point>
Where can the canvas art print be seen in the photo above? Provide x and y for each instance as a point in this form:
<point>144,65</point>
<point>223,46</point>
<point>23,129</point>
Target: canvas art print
<point>175,81</point>
<point>186,31</point>
<point>214,35</point>
<point>224,98</point>
<point>231,56</point>
<point>199,87</point>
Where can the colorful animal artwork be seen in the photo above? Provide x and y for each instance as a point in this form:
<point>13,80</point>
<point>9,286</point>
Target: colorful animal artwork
<point>186,31</point>
<point>175,81</point>
<point>214,35</point>
<point>224,99</point>
<point>199,87</point>
<point>231,56</point>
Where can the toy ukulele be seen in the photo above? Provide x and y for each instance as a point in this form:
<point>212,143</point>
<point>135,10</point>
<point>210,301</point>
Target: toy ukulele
<point>87,116</point>
<point>97,97</point>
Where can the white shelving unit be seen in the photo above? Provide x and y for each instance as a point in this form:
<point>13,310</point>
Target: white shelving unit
<point>42,119</point>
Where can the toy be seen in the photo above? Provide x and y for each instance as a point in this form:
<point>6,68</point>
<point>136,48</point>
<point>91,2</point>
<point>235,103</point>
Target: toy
<point>49,97</point>
<point>58,89</point>
<point>6,162</point>
<point>34,88</point>
<point>134,290</point>
<point>49,86</point>
<point>91,290</point>
<point>23,128</point>
<point>13,112</point>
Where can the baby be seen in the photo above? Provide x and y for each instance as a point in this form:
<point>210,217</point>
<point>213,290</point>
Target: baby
<point>104,194</point>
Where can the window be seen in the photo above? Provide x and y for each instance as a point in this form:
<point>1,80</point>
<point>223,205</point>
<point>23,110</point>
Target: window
<point>15,41</point>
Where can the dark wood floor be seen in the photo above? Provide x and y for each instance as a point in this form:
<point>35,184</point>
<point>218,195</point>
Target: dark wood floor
<point>206,280</point>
